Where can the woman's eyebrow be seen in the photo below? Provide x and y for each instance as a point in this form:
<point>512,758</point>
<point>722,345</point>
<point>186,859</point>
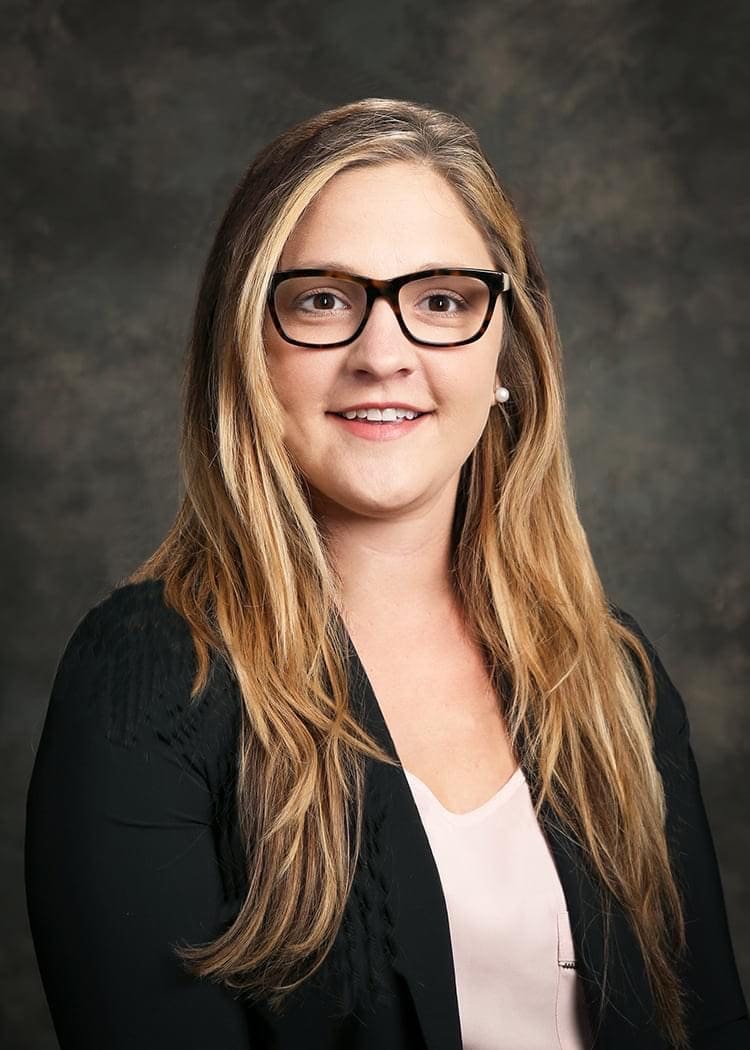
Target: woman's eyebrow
<point>335,264</point>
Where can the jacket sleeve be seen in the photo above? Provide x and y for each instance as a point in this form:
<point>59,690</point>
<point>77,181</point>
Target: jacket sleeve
<point>120,861</point>
<point>717,1009</point>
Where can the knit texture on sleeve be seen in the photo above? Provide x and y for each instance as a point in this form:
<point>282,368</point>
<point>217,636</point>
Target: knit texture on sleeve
<point>133,660</point>
<point>133,663</point>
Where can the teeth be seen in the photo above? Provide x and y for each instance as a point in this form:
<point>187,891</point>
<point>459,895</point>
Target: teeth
<point>377,415</point>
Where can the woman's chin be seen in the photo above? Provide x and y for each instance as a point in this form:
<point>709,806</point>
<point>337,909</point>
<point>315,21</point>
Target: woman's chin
<point>375,502</point>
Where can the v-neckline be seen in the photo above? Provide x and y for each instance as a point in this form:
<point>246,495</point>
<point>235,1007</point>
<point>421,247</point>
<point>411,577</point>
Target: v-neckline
<point>376,711</point>
<point>421,931</point>
<point>470,816</point>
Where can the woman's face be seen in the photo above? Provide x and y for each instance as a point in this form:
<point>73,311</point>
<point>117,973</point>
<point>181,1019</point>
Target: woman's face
<point>384,221</point>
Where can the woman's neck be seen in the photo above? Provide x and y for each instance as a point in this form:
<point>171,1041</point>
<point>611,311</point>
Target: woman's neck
<point>392,568</point>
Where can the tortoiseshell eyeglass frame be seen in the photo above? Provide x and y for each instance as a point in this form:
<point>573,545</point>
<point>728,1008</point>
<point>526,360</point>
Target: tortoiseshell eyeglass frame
<point>497,282</point>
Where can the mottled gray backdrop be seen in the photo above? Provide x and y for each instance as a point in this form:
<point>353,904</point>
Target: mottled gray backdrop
<point>619,128</point>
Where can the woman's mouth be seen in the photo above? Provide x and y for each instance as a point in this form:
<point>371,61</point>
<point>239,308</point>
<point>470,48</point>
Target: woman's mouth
<point>379,430</point>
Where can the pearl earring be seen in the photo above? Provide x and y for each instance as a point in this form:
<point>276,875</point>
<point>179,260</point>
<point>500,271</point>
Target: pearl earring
<point>501,394</point>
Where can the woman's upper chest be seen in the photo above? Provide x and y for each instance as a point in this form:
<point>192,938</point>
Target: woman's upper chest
<point>441,710</point>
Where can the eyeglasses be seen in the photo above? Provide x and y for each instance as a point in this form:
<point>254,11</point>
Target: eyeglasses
<point>439,307</point>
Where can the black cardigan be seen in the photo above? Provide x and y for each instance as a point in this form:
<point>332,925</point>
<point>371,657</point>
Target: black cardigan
<point>131,845</point>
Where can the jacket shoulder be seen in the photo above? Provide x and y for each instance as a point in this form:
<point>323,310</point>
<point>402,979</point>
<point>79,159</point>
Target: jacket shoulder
<point>128,666</point>
<point>135,614</point>
<point>670,716</point>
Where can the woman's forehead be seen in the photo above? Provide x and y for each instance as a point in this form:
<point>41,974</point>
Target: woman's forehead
<point>394,218</point>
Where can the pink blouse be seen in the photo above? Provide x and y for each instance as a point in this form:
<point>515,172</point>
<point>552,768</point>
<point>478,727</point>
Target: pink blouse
<point>512,947</point>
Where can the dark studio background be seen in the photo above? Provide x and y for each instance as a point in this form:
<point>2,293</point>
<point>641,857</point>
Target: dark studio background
<point>620,130</point>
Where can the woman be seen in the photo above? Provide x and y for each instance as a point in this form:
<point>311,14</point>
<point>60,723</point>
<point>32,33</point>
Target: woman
<point>362,756</point>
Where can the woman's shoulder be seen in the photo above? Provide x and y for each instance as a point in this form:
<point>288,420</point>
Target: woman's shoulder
<point>128,669</point>
<point>129,640</point>
<point>670,717</point>
<point>133,616</point>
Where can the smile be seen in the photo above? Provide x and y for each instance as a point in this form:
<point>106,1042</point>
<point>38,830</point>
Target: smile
<point>379,430</point>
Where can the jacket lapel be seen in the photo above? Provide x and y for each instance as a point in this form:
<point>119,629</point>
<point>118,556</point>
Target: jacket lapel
<point>628,1017</point>
<point>423,953</point>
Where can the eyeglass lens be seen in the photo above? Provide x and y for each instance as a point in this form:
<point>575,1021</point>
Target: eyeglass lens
<point>437,309</point>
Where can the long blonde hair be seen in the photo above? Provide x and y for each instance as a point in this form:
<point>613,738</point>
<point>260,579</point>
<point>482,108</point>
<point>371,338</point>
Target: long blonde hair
<point>246,565</point>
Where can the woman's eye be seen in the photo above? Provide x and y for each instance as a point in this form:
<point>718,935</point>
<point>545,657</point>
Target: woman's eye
<point>444,301</point>
<point>319,301</point>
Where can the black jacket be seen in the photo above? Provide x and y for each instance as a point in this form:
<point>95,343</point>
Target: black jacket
<point>132,845</point>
